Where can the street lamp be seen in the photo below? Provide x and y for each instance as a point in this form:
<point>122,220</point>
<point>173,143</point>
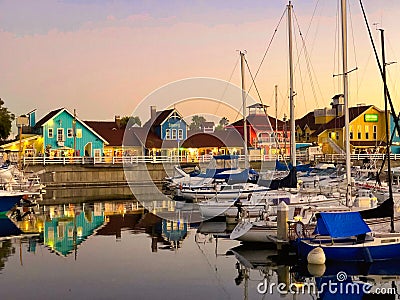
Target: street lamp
<point>20,122</point>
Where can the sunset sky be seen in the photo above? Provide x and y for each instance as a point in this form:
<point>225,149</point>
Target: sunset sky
<point>103,57</point>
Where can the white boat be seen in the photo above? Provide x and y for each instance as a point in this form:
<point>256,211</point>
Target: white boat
<point>254,205</point>
<point>264,230</point>
<point>222,191</point>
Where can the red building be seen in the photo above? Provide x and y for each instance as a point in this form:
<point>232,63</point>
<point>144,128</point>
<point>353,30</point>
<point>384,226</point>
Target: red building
<point>265,133</point>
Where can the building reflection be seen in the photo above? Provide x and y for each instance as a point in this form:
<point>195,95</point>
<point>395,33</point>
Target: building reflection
<point>65,229</point>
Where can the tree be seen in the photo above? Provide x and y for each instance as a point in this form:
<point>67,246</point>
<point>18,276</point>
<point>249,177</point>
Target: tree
<point>222,123</point>
<point>132,120</point>
<point>6,118</point>
<point>197,121</point>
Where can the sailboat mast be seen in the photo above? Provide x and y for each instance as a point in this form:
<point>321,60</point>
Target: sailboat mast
<point>246,154</point>
<point>276,110</point>
<point>346,101</point>
<point>291,93</point>
<point>387,126</point>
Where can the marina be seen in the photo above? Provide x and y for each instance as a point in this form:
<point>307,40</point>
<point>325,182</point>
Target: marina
<point>213,195</point>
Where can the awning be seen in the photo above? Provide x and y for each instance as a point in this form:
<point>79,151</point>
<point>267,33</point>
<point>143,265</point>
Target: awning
<point>343,224</point>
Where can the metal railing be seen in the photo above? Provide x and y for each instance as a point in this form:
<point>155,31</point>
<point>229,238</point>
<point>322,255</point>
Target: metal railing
<point>84,160</point>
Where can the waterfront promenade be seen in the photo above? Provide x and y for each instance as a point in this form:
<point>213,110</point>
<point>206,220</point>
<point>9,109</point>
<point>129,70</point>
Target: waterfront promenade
<point>82,160</point>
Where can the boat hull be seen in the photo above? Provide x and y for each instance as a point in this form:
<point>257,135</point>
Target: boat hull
<point>380,249</point>
<point>8,201</point>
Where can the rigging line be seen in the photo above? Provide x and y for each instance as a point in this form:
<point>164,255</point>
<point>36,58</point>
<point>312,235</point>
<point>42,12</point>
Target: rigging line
<point>216,273</point>
<point>253,81</point>
<point>308,62</point>
<point>259,96</point>
<point>268,47</point>
<point>393,112</point>
<point>336,51</point>
<point>354,46</point>
<point>226,86</point>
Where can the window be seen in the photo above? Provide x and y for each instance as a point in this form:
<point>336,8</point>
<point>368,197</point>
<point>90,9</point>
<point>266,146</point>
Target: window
<point>337,135</point>
<point>180,134</point>
<point>79,133</point>
<point>168,134</point>
<point>366,132</point>
<point>70,133</point>
<point>359,135</point>
<point>50,133</point>
<point>351,135</point>
<point>174,134</point>
<point>374,128</point>
<point>359,132</point>
<point>60,134</point>
<point>330,135</point>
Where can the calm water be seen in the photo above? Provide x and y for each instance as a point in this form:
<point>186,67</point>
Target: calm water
<point>115,250</point>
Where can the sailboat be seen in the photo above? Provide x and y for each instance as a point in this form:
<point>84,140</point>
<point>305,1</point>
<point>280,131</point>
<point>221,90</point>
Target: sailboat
<point>263,229</point>
<point>346,236</point>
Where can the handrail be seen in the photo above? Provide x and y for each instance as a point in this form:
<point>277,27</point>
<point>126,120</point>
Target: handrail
<point>84,160</point>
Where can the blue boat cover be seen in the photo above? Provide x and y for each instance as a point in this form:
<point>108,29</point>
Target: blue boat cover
<point>285,167</point>
<point>343,224</point>
<point>226,157</point>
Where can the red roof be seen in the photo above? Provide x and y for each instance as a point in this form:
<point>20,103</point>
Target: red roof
<point>260,123</point>
<point>218,138</point>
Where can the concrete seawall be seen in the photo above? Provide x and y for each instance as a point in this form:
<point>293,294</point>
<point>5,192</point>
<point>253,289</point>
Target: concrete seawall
<point>98,175</point>
<point>103,175</point>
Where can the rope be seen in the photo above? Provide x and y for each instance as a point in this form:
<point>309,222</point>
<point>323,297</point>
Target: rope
<point>268,47</point>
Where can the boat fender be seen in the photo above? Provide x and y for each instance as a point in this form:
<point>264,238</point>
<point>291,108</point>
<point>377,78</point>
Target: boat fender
<point>316,256</point>
<point>316,270</point>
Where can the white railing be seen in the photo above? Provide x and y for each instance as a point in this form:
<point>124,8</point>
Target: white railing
<point>339,157</point>
<point>41,160</point>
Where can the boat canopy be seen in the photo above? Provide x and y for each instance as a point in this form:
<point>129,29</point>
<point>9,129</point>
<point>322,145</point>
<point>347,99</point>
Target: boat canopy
<point>343,224</point>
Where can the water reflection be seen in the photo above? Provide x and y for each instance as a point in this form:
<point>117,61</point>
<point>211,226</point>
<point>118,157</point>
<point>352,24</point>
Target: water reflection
<point>117,249</point>
<point>64,227</point>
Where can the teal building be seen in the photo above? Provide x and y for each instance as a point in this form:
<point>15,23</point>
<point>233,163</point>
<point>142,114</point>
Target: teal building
<point>63,132</point>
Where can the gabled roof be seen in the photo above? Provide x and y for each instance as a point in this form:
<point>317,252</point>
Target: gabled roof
<point>309,120</point>
<point>260,123</point>
<point>151,140</point>
<point>56,112</point>
<point>47,117</point>
<point>159,118</point>
<point>338,122</point>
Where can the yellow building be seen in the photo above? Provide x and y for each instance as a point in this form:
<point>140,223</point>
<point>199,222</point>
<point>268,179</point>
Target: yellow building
<point>367,131</point>
<point>31,145</point>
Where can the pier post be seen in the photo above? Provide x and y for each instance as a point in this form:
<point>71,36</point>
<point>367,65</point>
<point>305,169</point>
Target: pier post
<point>282,226</point>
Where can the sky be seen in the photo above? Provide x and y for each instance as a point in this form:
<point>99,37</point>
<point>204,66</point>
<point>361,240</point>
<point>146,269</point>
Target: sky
<point>105,57</point>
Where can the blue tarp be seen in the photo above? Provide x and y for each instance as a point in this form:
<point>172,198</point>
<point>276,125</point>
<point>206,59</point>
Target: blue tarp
<point>226,157</point>
<point>285,167</point>
<point>343,224</point>
<point>282,167</point>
